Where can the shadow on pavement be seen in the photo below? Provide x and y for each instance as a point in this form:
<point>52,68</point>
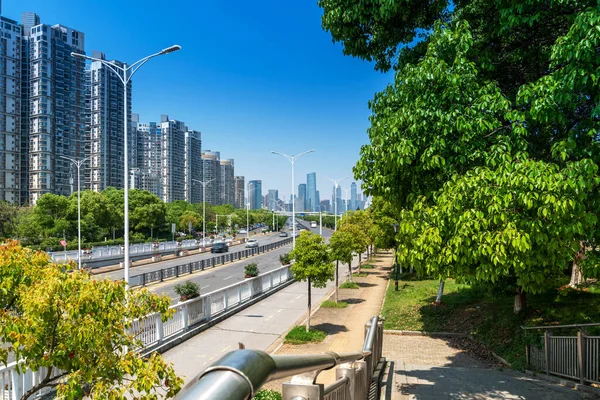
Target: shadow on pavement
<point>331,329</point>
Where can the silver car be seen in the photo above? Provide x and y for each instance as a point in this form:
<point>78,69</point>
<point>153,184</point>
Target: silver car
<point>252,243</point>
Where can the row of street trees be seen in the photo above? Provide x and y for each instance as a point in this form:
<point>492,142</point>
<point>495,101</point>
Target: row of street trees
<point>487,141</point>
<point>54,217</point>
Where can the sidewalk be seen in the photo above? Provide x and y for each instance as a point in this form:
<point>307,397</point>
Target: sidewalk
<point>345,326</point>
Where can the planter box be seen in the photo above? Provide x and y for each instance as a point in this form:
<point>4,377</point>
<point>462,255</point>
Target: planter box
<point>156,258</point>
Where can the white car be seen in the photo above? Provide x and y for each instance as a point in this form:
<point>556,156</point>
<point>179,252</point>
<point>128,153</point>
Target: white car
<point>241,231</point>
<point>252,243</point>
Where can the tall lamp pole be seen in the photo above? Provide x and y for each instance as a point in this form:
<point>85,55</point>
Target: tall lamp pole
<point>78,164</point>
<point>125,73</point>
<point>346,191</point>
<point>292,159</point>
<point>203,183</point>
<point>335,185</point>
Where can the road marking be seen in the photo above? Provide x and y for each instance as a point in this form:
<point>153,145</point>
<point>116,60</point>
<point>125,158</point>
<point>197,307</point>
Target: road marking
<point>229,277</point>
<point>225,349</point>
<point>204,287</point>
<point>298,297</point>
<point>269,317</point>
<point>280,310</point>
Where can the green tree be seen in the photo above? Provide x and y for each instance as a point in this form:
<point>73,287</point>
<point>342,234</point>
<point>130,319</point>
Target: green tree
<point>189,217</point>
<point>312,264</point>
<point>360,240</point>
<point>8,219</point>
<point>341,248</point>
<point>79,325</point>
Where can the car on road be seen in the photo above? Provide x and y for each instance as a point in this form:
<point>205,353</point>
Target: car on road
<point>242,231</point>
<point>283,234</point>
<point>252,243</point>
<point>220,247</point>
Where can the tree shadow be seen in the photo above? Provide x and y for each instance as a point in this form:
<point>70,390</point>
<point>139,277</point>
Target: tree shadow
<point>353,301</point>
<point>331,329</point>
<point>365,284</point>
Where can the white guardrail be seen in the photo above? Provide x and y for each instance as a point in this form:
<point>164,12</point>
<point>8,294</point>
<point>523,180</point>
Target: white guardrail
<point>153,332</point>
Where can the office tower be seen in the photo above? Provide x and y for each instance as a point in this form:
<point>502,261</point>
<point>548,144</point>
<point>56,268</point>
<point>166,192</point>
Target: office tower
<point>325,206</point>
<point>311,192</point>
<point>255,194</point>
<point>149,139</point>
<point>10,110</point>
<point>336,200</point>
<point>353,199</point>
<point>265,201</point>
<point>172,159</point>
<point>272,199</point>
<point>227,187</point>
<point>301,198</point>
<point>318,201</point>
<point>238,183</point>
<point>211,171</point>
<point>193,166</point>
<point>57,108</point>
<point>105,127</point>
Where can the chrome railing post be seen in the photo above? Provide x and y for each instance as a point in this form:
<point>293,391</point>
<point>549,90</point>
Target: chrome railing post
<point>185,316</point>
<point>160,332</point>
<point>303,391</point>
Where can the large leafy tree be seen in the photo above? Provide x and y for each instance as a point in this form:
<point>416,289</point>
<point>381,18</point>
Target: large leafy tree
<point>311,264</point>
<point>77,329</point>
<point>341,248</point>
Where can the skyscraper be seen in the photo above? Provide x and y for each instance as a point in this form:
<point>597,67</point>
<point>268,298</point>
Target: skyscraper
<point>272,199</point>
<point>172,159</point>
<point>255,194</point>
<point>227,190</point>
<point>104,128</point>
<point>353,200</point>
<point>149,139</point>
<point>240,201</point>
<point>211,164</point>
<point>193,166</point>
<point>311,192</point>
<point>301,200</point>
<point>57,108</point>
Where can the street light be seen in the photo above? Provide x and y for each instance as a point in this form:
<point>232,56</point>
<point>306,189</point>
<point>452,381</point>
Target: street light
<point>396,255</point>
<point>335,185</point>
<point>78,164</point>
<point>248,192</point>
<point>292,159</point>
<point>203,183</point>
<point>346,192</point>
<point>125,73</point>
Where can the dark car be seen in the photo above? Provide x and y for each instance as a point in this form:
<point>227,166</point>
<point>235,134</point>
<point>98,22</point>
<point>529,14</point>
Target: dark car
<point>283,234</point>
<point>220,247</point>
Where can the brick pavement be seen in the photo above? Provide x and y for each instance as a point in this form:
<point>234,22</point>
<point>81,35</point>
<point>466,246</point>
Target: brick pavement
<point>345,326</point>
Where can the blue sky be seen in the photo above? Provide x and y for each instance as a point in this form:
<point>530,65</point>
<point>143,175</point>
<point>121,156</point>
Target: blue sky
<point>252,76</point>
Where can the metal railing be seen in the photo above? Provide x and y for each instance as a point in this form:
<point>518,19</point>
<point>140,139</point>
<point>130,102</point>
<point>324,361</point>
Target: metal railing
<point>194,266</point>
<point>574,357</point>
<point>240,374</point>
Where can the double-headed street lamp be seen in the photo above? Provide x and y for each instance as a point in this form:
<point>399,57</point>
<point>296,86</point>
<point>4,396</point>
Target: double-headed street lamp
<point>203,183</point>
<point>335,186</point>
<point>292,159</point>
<point>125,73</point>
<point>78,164</point>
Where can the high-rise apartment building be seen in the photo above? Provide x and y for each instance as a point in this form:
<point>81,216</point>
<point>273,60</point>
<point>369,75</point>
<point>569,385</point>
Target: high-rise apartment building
<point>193,166</point>
<point>272,199</point>
<point>211,164</point>
<point>227,182</point>
<point>104,130</point>
<point>311,192</point>
<point>301,198</point>
<point>255,194</point>
<point>353,200</point>
<point>149,139</point>
<point>240,201</point>
<point>172,159</point>
<point>57,108</point>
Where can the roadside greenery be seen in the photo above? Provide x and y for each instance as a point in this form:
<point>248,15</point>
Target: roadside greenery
<point>299,335</point>
<point>349,285</point>
<point>267,394</point>
<point>251,270</point>
<point>334,304</point>
<point>187,290</point>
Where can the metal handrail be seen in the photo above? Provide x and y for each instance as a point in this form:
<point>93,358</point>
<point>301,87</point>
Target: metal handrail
<point>239,374</point>
<point>559,326</point>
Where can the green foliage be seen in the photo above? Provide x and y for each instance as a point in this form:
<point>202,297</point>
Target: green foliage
<point>367,266</point>
<point>285,259</point>
<point>187,290</point>
<point>311,260</point>
<point>80,325</point>
<point>333,304</point>
<point>349,285</point>
<point>267,394</point>
<point>360,275</point>
<point>251,270</point>
<point>299,335</point>
<point>341,245</point>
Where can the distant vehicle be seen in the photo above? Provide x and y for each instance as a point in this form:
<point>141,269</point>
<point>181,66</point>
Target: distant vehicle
<point>219,247</point>
<point>252,243</point>
<point>242,231</point>
<point>283,234</point>
<point>313,224</point>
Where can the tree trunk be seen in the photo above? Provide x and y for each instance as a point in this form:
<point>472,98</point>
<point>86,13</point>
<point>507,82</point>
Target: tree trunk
<point>309,307</point>
<point>337,273</point>
<point>151,232</point>
<point>350,271</point>
<point>438,299</point>
<point>520,301</point>
<point>576,276</point>
<point>359,261</point>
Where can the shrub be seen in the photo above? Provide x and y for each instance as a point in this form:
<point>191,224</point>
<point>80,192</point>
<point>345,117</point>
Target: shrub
<point>251,270</point>
<point>298,335</point>
<point>349,285</point>
<point>187,290</point>
<point>285,259</point>
<point>367,266</point>
<point>267,394</point>
<point>333,304</point>
<point>360,274</point>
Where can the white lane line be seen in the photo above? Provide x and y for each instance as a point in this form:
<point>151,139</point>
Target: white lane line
<point>298,297</point>
<point>269,317</point>
<point>204,287</point>
<point>229,277</point>
<point>280,310</point>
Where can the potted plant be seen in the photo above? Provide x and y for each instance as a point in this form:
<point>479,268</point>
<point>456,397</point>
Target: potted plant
<point>285,259</point>
<point>251,270</point>
<point>187,290</point>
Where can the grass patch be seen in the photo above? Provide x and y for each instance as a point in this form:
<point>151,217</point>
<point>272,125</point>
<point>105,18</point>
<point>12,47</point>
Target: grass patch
<point>367,266</point>
<point>349,285</point>
<point>298,335</point>
<point>333,304</point>
<point>360,275</point>
<point>491,320</point>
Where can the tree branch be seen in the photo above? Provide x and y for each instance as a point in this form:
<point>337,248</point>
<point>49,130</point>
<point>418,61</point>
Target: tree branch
<point>497,130</point>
